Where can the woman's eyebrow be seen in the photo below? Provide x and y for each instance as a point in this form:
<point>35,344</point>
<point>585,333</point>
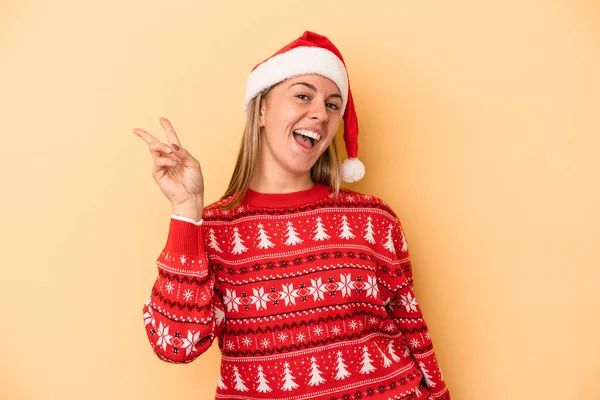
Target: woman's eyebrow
<point>312,87</point>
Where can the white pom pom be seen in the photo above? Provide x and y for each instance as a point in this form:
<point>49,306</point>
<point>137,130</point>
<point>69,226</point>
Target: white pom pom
<point>352,170</point>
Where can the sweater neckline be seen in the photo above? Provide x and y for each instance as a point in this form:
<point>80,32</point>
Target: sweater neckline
<point>282,200</point>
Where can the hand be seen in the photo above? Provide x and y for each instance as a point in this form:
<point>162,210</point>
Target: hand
<point>175,170</point>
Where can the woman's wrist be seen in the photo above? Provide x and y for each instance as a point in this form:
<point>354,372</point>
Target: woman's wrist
<point>192,209</point>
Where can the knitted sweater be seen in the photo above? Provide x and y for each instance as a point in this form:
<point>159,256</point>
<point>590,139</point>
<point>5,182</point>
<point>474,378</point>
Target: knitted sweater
<point>309,297</point>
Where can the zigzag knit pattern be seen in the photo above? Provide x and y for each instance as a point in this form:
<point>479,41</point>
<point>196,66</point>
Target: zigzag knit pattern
<point>309,296</point>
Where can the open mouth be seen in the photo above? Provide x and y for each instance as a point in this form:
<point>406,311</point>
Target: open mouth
<point>306,138</point>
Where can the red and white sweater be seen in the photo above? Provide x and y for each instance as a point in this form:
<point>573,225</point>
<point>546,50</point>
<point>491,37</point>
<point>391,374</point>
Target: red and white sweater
<point>310,297</point>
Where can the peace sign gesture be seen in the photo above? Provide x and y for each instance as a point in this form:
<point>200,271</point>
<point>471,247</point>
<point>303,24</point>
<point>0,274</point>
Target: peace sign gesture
<point>175,170</point>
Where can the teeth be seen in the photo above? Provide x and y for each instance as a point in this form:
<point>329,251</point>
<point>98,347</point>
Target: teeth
<point>310,134</point>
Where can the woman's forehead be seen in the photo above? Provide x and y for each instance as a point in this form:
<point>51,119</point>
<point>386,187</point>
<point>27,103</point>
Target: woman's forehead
<point>318,82</point>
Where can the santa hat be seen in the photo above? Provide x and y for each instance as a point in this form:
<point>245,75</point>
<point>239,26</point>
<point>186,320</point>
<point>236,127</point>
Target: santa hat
<point>312,53</point>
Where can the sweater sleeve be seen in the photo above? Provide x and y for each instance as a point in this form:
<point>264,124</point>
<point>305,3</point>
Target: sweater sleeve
<point>183,314</point>
<point>397,289</point>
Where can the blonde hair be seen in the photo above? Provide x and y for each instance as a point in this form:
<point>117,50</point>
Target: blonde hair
<point>327,170</point>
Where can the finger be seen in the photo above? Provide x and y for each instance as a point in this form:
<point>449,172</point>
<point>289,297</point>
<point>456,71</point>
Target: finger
<point>183,154</point>
<point>158,149</point>
<point>148,138</point>
<point>170,131</point>
<point>165,162</point>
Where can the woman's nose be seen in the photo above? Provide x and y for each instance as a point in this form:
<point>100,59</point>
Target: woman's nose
<point>319,112</point>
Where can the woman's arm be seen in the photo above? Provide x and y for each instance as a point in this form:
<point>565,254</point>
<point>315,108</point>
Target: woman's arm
<point>397,289</point>
<point>183,314</point>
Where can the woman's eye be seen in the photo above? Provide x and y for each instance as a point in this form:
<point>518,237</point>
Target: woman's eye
<point>333,106</point>
<point>302,97</point>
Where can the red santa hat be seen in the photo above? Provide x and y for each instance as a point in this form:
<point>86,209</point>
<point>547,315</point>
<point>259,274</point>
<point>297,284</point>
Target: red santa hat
<point>312,53</point>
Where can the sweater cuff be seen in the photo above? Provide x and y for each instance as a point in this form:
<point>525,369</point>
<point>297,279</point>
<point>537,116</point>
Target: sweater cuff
<point>186,219</point>
<point>183,238</point>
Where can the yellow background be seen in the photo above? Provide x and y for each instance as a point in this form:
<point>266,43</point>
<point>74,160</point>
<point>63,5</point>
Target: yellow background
<point>479,125</point>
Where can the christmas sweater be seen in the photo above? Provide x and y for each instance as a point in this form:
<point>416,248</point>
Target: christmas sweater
<point>309,296</point>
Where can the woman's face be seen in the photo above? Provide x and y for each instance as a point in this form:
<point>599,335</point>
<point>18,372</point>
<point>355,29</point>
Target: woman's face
<point>299,119</point>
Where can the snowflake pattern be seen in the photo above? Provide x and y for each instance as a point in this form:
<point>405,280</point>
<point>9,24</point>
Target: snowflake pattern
<point>189,343</point>
<point>231,301</point>
<point>259,298</point>
<point>188,295</point>
<point>345,285</point>
<point>164,338</point>
<point>408,302</point>
<point>263,298</point>
<point>149,317</point>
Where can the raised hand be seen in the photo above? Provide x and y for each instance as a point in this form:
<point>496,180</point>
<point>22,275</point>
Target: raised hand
<point>176,171</point>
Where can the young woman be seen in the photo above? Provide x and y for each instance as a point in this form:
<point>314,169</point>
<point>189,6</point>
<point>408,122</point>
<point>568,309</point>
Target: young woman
<point>307,287</point>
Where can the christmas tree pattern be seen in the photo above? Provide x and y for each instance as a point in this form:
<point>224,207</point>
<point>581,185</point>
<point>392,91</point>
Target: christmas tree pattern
<point>212,241</point>
<point>346,231</point>
<point>404,244</point>
<point>392,351</point>
<point>292,235</point>
<point>342,372</point>
<point>389,244</point>
<point>220,383</point>
<point>386,361</point>
<point>239,382</point>
<point>264,243</point>
<point>263,384</point>
<point>238,246</point>
<point>406,351</point>
<point>369,231</point>
<point>315,375</point>
<point>426,375</point>
<point>320,233</point>
<point>288,379</point>
<point>219,315</point>
<point>367,366</point>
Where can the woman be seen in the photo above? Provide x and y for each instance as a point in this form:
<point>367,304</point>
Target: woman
<point>307,287</point>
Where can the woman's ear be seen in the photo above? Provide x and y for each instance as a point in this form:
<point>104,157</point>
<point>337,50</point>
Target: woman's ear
<point>261,116</point>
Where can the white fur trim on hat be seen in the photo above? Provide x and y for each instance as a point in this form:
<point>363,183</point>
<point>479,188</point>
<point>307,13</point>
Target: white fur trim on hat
<point>353,170</point>
<point>297,61</point>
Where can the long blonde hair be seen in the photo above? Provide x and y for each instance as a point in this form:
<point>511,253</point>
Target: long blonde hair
<point>327,170</point>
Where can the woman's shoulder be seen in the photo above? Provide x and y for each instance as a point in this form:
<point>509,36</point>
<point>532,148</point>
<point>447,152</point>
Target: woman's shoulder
<point>216,208</point>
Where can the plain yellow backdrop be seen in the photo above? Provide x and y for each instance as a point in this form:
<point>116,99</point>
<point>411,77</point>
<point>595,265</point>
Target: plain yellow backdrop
<point>479,124</point>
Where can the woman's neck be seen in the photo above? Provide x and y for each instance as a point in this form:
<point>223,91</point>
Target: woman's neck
<point>280,184</point>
